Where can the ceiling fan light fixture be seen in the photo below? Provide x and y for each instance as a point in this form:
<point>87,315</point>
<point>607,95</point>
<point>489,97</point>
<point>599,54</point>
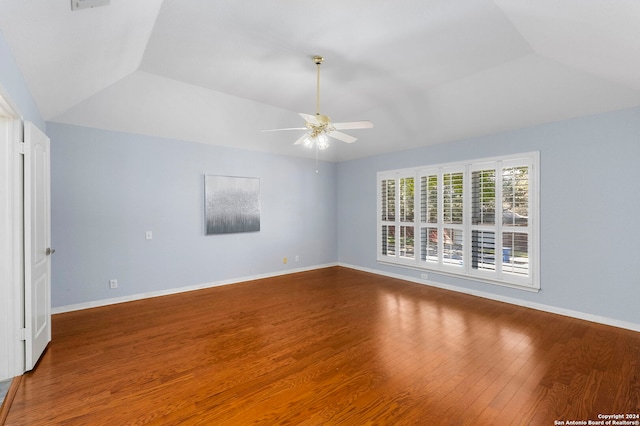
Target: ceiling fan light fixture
<point>322,141</point>
<point>308,142</point>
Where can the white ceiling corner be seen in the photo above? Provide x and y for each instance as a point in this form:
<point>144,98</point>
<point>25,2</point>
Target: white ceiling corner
<point>67,56</point>
<point>597,37</point>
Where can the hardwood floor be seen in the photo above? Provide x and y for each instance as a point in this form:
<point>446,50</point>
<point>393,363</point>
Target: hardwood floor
<point>333,347</point>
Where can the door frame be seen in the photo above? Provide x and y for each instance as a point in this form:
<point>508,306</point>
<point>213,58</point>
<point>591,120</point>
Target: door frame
<point>12,347</point>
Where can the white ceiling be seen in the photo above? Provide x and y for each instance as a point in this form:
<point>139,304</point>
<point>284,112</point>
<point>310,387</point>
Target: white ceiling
<point>424,71</point>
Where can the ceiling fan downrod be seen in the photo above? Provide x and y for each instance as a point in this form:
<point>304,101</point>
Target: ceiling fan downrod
<point>318,61</point>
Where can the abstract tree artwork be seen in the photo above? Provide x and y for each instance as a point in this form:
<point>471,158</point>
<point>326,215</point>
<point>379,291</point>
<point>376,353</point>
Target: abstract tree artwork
<point>232,204</point>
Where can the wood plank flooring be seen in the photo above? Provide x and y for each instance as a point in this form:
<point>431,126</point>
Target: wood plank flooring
<point>328,347</point>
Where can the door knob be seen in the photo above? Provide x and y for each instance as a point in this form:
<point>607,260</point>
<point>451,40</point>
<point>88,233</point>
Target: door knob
<point>50,251</point>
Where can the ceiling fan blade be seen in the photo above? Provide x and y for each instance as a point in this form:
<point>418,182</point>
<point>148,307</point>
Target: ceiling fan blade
<point>301,140</point>
<point>287,128</point>
<point>342,136</point>
<point>309,118</point>
<point>365,124</point>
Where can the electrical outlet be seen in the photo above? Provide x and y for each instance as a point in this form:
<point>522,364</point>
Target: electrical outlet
<point>297,258</point>
<point>424,276</point>
<point>113,284</point>
<point>148,235</point>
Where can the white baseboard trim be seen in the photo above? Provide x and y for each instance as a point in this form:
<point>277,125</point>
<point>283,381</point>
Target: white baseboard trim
<point>538,306</point>
<point>140,296</point>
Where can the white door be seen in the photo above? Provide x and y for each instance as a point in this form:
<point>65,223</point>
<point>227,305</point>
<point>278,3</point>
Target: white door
<point>37,244</point>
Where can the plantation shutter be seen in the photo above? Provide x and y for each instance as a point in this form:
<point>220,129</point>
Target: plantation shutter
<point>472,219</point>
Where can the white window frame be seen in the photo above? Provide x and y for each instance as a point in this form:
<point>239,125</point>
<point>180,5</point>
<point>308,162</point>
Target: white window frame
<point>464,268</point>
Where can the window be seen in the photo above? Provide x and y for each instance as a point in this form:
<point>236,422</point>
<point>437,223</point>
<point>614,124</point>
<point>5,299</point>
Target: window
<point>477,219</point>
<point>397,231</point>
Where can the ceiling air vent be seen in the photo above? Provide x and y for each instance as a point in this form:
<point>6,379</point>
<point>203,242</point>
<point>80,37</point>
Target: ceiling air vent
<point>85,4</point>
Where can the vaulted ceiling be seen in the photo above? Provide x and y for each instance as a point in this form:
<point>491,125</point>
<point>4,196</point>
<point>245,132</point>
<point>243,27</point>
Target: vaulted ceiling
<point>424,71</point>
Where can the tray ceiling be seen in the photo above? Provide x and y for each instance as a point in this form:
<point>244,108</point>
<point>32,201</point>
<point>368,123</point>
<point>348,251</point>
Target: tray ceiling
<point>424,71</point>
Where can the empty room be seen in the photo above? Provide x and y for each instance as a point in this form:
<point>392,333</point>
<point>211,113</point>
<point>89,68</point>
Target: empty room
<point>319,213</point>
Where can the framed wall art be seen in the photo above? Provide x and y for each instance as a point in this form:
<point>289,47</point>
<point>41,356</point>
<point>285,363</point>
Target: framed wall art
<point>232,204</point>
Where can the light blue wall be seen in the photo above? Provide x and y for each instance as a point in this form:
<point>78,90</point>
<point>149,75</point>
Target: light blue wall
<point>109,188</point>
<point>15,88</point>
<point>590,234</point>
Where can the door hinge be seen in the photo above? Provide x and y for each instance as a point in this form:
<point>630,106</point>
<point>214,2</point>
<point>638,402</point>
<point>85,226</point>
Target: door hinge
<point>23,334</point>
<point>22,148</point>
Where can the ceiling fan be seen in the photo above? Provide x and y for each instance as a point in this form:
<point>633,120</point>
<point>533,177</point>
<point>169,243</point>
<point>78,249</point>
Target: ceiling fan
<point>319,127</point>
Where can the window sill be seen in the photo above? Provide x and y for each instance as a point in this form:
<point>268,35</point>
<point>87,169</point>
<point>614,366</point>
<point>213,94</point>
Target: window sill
<point>525,287</point>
